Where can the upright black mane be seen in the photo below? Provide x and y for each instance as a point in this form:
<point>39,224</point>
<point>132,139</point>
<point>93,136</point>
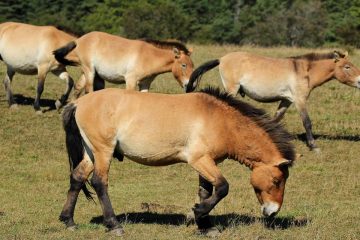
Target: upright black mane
<point>275,130</point>
<point>168,44</point>
<point>316,56</point>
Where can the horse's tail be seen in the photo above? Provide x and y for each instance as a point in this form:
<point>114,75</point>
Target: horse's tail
<point>61,53</point>
<point>74,141</point>
<point>197,74</point>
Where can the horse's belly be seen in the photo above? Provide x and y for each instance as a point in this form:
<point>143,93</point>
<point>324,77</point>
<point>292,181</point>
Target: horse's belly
<point>266,94</point>
<point>151,155</point>
<point>23,66</point>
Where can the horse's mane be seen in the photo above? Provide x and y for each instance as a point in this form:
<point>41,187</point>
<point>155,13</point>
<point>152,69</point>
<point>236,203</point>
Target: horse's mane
<point>170,44</point>
<point>317,56</point>
<point>280,137</point>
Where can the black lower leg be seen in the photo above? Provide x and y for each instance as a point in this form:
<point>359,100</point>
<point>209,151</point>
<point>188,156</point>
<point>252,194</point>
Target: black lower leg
<point>205,189</point>
<point>40,89</point>
<point>308,128</point>
<point>67,214</point>
<point>202,209</point>
<point>110,220</point>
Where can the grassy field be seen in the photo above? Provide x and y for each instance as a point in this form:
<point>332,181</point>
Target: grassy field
<point>322,194</point>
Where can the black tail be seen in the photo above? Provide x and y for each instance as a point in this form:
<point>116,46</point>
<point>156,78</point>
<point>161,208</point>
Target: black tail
<point>197,74</point>
<point>74,141</point>
<point>60,54</point>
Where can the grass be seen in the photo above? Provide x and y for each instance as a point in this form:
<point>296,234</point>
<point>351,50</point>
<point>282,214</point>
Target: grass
<point>322,193</point>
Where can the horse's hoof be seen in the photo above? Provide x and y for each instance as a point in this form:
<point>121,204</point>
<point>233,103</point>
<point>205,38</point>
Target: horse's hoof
<point>39,112</point>
<point>212,232</point>
<point>316,150</point>
<point>14,107</point>
<point>190,218</point>
<point>118,232</point>
<point>71,228</point>
<point>58,104</point>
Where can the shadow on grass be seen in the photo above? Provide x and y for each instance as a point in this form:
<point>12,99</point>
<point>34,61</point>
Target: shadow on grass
<point>222,221</point>
<point>47,103</point>
<point>351,138</point>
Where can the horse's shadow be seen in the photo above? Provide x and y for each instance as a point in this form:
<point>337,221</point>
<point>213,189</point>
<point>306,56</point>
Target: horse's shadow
<point>49,104</point>
<point>350,138</point>
<point>222,221</point>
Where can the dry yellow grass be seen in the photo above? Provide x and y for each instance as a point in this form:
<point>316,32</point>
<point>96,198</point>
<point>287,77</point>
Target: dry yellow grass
<point>322,194</point>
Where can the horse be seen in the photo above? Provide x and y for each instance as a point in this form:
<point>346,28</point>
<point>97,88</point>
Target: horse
<point>27,49</point>
<point>201,129</point>
<point>288,80</point>
<point>120,60</point>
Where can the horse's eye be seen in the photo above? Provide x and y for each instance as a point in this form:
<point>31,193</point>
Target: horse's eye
<point>276,182</point>
<point>347,67</point>
<point>183,65</point>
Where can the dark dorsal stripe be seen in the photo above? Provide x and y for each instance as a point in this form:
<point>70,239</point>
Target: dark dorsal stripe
<point>280,137</point>
<point>168,44</point>
<point>317,56</point>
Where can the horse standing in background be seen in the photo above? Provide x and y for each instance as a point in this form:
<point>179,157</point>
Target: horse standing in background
<point>201,129</point>
<point>27,49</point>
<point>103,56</point>
<point>288,80</point>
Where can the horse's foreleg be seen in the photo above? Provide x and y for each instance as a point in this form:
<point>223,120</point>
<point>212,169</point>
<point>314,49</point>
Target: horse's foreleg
<point>99,181</point>
<point>210,174</point>
<point>69,85</point>
<point>7,84</point>
<point>42,71</point>
<point>308,126</point>
<point>283,106</point>
<point>78,178</point>
<point>205,189</point>
<point>144,84</point>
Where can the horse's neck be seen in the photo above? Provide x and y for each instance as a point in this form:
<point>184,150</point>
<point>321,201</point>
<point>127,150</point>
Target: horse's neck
<point>253,148</point>
<point>321,72</point>
<point>160,60</point>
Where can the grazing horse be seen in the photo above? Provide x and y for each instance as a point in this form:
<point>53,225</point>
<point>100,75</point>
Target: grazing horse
<point>27,49</point>
<point>201,129</point>
<point>288,80</point>
<point>103,56</point>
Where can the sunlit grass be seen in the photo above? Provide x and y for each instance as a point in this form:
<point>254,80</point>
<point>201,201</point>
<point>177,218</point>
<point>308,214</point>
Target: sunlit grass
<point>322,194</point>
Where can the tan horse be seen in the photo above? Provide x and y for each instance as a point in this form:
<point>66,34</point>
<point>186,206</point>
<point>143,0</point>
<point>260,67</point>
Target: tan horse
<point>108,57</point>
<point>200,129</point>
<point>288,80</point>
<point>27,49</point>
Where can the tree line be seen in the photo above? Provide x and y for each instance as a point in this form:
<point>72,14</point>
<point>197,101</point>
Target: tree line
<point>308,23</point>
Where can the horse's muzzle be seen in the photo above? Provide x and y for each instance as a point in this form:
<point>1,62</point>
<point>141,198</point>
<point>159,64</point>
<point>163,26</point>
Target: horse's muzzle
<point>270,209</point>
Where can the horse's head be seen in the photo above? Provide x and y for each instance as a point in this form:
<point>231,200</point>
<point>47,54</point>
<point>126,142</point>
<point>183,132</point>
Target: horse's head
<point>268,182</point>
<point>345,71</point>
<point>182,67</point>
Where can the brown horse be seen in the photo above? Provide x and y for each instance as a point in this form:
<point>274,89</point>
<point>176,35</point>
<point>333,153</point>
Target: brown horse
<point>288,80</point>
<point>200,129</point>
<point>103,56</point>
<point>27,49</point>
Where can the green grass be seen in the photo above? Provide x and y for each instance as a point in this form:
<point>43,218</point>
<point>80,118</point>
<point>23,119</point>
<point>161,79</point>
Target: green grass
<point>322,193</point>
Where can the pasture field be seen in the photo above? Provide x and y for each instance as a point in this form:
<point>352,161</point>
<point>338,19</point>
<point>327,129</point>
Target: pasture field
<point>322,199</point>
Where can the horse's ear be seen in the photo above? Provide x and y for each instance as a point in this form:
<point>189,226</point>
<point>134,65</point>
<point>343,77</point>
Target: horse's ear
<point>346,54</point>
<point>283,162</point>
<point>336,56</point>
<point>190,51</point>
<point>176,52</point>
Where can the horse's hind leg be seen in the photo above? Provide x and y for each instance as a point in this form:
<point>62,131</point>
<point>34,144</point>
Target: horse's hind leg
<point>99,181</point>
<point>210,174</point>
<point>78,178</point>
<point>42,72</point>
<point>283,106</point>
<point>7,84</point>
<point>79,86</point>
<point>64,75</point>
